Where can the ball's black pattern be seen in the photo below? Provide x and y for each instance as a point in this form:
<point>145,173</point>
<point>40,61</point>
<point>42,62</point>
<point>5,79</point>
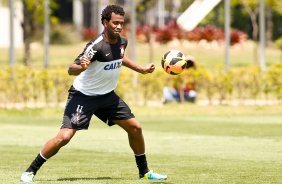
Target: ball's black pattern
<point>173,62</point>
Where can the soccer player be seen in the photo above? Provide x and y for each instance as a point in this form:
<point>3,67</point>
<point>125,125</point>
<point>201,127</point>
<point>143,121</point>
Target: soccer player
<point>97,69</point>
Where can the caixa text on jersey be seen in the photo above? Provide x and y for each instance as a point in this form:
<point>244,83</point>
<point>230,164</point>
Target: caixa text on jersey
<point>113,66</point>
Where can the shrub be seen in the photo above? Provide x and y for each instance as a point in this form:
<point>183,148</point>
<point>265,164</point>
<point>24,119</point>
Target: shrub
<point>88,33</point>
<point>237,36</point>
<point>172,31</point>
<point>164,35</point>
<point>151,86</point>
<point>51,86</point>
<point>273,80</point>
<point>63,34</point>
<point>60,79</point>
<point>142,33</point>
<point>278,43</point>
<point>209,33</point>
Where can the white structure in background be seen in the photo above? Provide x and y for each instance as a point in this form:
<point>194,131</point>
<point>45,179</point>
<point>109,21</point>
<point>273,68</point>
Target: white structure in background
<point>192,16</point>
<point>154,16</point>
<point>77,14</point>
<point>161,13</point>
<point>195,13</point>
<point>5,29</point>
<point>94,9</point>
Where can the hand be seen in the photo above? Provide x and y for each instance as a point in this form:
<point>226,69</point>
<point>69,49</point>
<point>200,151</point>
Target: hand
<point>149,68</point>
<point>84,62</point>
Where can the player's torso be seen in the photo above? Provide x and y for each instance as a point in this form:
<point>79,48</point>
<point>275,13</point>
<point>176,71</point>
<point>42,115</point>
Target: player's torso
<point>107,52</point>
<point>103,72</point>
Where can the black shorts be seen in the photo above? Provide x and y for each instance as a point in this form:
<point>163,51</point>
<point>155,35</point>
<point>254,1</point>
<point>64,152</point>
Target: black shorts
<point>80,108</point>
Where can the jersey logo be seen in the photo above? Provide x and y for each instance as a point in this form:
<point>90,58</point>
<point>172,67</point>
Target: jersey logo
<point>91,53</point>
<point>113,66</point>
<point>76,117</point>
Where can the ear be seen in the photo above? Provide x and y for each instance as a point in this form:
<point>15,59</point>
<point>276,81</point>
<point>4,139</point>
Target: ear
<point>105,22</point>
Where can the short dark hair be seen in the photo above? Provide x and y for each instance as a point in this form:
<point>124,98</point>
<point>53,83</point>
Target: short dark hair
<point>107,12</point>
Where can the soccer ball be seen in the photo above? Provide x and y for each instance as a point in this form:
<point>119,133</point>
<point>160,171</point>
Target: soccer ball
<point>173,62</point>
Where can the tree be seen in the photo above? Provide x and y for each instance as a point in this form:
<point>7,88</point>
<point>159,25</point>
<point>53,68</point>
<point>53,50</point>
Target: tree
<point>141,9</point>
<point>252,8</point>
<point>33,18</point>
<point>272,6</point>
<point>28,30</point>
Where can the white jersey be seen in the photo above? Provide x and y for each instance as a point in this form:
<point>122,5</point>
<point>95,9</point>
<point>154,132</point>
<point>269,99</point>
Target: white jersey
<point>101,76</point>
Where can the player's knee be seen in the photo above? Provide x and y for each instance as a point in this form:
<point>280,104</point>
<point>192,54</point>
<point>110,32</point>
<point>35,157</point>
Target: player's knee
<point>63,139</point>
<point>136,128</point>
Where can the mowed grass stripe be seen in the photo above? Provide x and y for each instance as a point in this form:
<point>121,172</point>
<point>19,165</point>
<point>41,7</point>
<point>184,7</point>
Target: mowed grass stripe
<point>115,140</point>
<point>82,166</point>
<point>211,148</point>
<point>239,125</point>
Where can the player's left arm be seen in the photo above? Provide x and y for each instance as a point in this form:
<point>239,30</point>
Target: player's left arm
<point>149,68</point>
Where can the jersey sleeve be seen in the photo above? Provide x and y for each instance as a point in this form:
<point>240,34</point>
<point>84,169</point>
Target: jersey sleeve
<point>124,42</point>
<point>90,51</point>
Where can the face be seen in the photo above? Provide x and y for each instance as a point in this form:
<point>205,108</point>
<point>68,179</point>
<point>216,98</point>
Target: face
<point>114,26</point>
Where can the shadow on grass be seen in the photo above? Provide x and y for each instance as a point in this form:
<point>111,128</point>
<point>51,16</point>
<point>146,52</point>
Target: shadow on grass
<point>77,179</point>
<point>105,178</point>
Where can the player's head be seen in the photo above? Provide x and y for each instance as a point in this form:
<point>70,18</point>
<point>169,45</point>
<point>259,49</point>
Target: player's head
<point>107,12</point>
<point>112,18</point>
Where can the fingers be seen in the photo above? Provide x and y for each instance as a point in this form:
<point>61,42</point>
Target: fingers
<point>150,68</point>
<point>85,59</point>
<point>84,62</point>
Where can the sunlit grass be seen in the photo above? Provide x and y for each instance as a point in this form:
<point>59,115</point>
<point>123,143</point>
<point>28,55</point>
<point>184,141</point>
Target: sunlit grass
<point>190,143</point>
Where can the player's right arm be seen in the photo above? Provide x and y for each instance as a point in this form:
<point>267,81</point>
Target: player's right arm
<point>77,67</point>
<point>84,59</point>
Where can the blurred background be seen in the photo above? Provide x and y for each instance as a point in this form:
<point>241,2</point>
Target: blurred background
<point>236,44</point>
<point>217,122</point>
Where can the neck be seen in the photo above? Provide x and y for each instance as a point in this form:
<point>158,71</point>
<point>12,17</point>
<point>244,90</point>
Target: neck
<point>109,39</point>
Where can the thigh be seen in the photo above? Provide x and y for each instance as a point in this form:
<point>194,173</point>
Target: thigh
<point>128,124</point>
<point>114,108</point>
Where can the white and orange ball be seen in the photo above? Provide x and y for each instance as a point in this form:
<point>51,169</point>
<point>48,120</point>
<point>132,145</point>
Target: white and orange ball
<point>173,62</point>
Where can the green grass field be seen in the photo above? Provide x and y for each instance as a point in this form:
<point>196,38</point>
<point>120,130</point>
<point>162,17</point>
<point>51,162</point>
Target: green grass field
<point>190,143</point>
